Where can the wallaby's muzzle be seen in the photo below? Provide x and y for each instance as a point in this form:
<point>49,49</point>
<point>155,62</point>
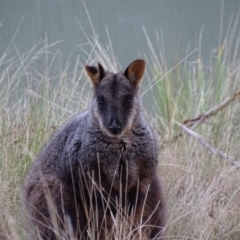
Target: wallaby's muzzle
<point>115,127</point>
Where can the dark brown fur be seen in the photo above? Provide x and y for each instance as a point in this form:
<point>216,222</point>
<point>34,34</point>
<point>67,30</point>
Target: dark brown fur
<point>99,165</point>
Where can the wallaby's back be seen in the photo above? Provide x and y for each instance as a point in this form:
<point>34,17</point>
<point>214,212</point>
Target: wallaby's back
<point>99,167</point>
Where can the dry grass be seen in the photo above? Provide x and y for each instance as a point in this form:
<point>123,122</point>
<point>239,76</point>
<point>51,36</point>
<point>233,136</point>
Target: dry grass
<point>202,191</point>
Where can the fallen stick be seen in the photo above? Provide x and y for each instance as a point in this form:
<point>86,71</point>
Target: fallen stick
<point>195,122</point>
<point>200,138</point>
<point>198,120</point>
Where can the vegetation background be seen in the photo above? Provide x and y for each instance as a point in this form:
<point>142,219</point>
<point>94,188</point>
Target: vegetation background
<point>201,186</point>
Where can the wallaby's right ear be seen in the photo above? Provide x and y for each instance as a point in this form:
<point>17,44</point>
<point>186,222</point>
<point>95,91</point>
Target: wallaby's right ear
<point>135,72</point>
<point>95,74</point>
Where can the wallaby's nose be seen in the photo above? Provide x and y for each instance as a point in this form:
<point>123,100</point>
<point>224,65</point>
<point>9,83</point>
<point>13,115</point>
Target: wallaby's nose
<point>114,127</point>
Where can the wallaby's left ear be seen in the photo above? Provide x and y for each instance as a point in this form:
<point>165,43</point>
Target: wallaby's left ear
<point>135,71</point>
<point>96,74</point>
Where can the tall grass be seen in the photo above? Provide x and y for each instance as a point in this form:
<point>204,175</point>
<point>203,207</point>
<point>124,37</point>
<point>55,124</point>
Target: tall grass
<point>202,191</point>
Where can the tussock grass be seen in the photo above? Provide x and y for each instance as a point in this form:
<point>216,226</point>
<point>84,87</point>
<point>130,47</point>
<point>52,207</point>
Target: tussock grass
<point>202,191</point>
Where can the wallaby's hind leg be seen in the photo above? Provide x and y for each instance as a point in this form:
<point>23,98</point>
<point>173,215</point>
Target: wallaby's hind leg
<point>156,207</point>
<point>52,206</point>
<point>150,210</point>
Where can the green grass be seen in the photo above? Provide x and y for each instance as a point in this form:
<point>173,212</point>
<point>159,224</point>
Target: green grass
<point>202,191</point>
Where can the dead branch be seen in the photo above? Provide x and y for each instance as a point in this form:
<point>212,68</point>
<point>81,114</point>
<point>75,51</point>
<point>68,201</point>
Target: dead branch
<point>195,122</point>
<point>200,139</point>
<point>198,120</point>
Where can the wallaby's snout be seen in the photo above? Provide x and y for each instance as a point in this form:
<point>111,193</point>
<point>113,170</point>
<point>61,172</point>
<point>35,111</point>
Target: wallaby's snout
<point>114,126</point>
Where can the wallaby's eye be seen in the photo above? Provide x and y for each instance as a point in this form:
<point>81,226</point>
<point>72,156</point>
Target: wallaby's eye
<point>101,102</point>
<point>128,101</point>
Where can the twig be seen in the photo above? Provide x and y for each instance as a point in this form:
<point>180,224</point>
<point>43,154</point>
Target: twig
<point>196,121</point>
<point>200,138</point>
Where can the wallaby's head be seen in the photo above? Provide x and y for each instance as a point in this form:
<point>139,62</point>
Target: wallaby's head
<point>116,104</point>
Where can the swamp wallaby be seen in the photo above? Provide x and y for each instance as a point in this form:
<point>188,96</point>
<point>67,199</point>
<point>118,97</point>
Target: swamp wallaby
<point>98,172</point>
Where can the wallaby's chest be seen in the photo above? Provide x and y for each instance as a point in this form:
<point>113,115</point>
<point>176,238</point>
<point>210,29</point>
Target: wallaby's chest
<point>109,152</point>
<point>117,162</point>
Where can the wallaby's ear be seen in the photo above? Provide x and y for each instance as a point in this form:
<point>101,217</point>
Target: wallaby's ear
<point>135,71</point>
<point>101,71</point>
<point>96,74</point>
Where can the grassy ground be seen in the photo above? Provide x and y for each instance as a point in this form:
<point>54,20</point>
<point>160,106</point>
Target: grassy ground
<point>202,191</point>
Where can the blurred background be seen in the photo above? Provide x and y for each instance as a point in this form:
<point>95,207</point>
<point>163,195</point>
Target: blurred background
<point>192,50</point>
<point>127,27</point>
